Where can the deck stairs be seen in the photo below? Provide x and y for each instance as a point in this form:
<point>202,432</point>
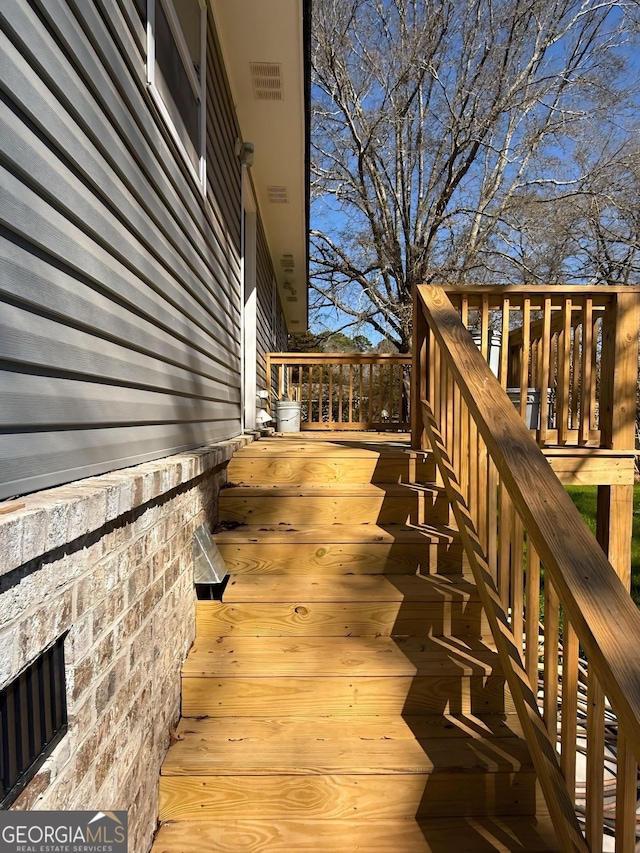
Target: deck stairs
<point>345,695</point>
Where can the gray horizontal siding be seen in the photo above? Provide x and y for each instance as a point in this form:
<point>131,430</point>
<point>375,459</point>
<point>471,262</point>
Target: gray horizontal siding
<point>119,283</point>
<point>271,333</point>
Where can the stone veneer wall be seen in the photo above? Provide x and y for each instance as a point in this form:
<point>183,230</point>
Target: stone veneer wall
<point>109,560</point>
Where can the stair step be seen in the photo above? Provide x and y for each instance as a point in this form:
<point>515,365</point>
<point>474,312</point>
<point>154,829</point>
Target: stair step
<point>338,796</point>
<point>322,465</point>
<point>431,835</point>
<point>321,549</point>
<point>328,745</point>
<point>337,675</point>
<point>370,767</point>
<point>336,656</point>
<point>347,588</point>
<point>427,726</point>
<point>382,503</point>
<point>346,605</point>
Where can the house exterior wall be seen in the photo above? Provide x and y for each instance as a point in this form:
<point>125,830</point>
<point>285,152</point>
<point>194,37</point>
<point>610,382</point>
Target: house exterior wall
<point>270,327</point>
<point>120,302</point>
<point>120,385</point>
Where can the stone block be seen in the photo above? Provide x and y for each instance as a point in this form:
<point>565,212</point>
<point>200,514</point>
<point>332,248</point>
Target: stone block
<point>80,678</point>
<point>10,542</point>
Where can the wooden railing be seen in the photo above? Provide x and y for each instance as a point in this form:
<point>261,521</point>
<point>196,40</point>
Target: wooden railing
<point>534,561</point>
<point>344,390</point>
<point>565,350</point>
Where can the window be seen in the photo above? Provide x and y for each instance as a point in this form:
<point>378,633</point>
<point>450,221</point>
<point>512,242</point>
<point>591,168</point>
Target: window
<point>176,65</point>
<point>33,719</point>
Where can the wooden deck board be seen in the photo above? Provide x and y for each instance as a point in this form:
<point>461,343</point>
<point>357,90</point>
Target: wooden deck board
<point>360,588</point>
<point>339,796</point>
<point>436,835</point>
<point>334,656</point>
<point>258,729</point>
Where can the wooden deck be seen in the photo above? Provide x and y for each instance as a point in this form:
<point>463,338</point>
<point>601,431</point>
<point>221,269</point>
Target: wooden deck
<point>345,695</point>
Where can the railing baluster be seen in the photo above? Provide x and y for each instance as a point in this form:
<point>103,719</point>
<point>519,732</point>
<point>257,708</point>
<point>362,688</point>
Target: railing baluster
<point>569,707</point>
<point>370,395</point>
<point>330,420</point>
<point>576,361</point>
<point>517,581</point>
<point>492,518</point>
<point>504,549</point>
<point>465,448</point>
<point>473,471</point>
<point>340,392</point>
<point>524,357</point>
<point>300,383</point>
<point>532,614</point>
<point>626,796</point>
<point>596,348</point>
<point>545,349</point>
<point>595,763</point>
<point>360,394</point>
<point>587,370</point>
<point>484,328</point>
<point>464,311</point>
<point>550,676</point>
<point>564,358</point>
<point>449,413</point>
<point>504,349</point>
<point>350,393</point>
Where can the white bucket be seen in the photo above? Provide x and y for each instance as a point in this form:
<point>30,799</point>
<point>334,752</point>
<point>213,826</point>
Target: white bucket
<point>288,416</point>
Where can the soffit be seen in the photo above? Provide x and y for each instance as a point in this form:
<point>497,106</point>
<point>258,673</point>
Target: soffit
<point>262,42</point>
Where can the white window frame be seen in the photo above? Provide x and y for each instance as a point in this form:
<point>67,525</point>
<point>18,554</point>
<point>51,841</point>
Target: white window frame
<point>198,82</point>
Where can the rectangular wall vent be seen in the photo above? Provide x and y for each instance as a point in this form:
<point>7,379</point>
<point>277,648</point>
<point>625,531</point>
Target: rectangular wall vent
<point>277,195</point>
<point>33,719</point>
<point>266,80</point>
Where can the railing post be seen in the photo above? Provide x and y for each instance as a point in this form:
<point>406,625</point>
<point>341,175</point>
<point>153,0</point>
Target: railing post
<point>618,388</point>
<point>269,382</point>
<point>418,373</point>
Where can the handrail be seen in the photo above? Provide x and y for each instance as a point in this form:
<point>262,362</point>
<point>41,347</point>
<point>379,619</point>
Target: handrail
<point>343,391</point>
<point>456,383</point>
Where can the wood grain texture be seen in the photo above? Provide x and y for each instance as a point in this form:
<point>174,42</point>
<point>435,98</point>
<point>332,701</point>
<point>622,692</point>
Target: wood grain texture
<point>337,619</point>
<point>337,656</point>
<point>290,470</point>
<point>293,695</point>
<point>381,504</point>
<point>436,835</point>
<point>340,796</point>
<point>359,754</point>
<point>256,730</point>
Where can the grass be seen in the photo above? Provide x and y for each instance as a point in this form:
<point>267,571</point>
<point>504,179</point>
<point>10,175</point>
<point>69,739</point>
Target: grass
<point>585,499</point>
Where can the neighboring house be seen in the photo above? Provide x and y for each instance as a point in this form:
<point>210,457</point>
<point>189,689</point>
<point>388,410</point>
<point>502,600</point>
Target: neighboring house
<point>154,205</point>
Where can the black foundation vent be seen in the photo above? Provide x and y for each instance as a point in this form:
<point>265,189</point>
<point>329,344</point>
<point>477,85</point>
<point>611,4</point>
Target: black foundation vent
<point>33,719</point>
